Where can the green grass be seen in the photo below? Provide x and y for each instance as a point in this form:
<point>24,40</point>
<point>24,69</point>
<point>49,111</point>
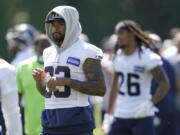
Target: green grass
<point>97,114</point>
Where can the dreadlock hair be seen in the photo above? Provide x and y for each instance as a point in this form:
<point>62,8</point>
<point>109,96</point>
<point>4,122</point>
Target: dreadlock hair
<point>141,38</point>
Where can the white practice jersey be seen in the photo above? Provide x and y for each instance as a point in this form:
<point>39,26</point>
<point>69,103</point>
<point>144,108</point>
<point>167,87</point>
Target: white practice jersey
<point>68,63</point>
<point>9,98</point>
<point>7,78</point>
<point>134,80</point>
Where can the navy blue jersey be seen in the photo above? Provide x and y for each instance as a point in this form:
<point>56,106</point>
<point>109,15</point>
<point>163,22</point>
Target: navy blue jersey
<point>167,103</point>
<point>167,116</point>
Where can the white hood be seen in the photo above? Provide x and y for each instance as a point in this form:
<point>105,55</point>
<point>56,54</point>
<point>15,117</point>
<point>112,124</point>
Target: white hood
<point>73,26</point>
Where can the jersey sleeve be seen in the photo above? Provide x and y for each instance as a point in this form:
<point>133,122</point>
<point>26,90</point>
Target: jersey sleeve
<point>18,80</point>
<point>44,54</point>
<point>115,63</point>
<point>95,53</point>
<point>153,60</point>
<point>8,82</point>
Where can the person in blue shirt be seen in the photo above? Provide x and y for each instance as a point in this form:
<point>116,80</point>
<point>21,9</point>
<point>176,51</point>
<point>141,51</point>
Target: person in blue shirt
<point>166,119</point>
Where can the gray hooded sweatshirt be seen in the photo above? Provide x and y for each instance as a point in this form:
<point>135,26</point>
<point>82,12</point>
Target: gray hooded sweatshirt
<point>73,26</point>
<point>68,60</point>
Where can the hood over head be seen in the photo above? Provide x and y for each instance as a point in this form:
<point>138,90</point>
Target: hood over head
<point>73,27</point>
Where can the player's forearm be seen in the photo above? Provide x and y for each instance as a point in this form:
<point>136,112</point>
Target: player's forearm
<point>20,98</point>
<point>161,92</point>
<point>41,88</point>
<point>163,84</point>
<point>178,85</point>
<point>88,87</point>
<point>112,100</point>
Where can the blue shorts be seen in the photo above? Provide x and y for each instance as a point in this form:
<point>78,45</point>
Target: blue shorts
<point>167,123</point>
<point>67,121</point>
<point>82,133</point>
<point>132,127</point>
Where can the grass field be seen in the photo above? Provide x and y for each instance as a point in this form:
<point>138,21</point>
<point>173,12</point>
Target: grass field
<point>97,115</point>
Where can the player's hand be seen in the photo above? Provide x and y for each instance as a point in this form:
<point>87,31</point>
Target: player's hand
<point>145,109</point>
<point>37,74</point>
<point>54,82</point>
<point>108,119</point>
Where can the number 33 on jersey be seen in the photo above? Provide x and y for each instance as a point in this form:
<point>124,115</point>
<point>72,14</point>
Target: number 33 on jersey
<point>69,64</point>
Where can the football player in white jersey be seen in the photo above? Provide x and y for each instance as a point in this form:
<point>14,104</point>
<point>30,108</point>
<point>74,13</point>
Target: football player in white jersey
<point>135,64</point>
<point>9,99</point>
<point>108,47</point>
<point>75,70</point>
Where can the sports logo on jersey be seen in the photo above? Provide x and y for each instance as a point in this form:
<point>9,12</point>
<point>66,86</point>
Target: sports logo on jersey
<point>139,69</point>
<point>73,61</point>
<point>98,57</point>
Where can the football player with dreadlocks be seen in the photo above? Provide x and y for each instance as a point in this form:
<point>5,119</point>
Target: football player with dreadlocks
<point>135,65</point>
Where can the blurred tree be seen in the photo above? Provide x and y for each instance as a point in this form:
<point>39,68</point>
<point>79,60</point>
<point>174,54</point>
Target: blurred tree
<point>98,17</point>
